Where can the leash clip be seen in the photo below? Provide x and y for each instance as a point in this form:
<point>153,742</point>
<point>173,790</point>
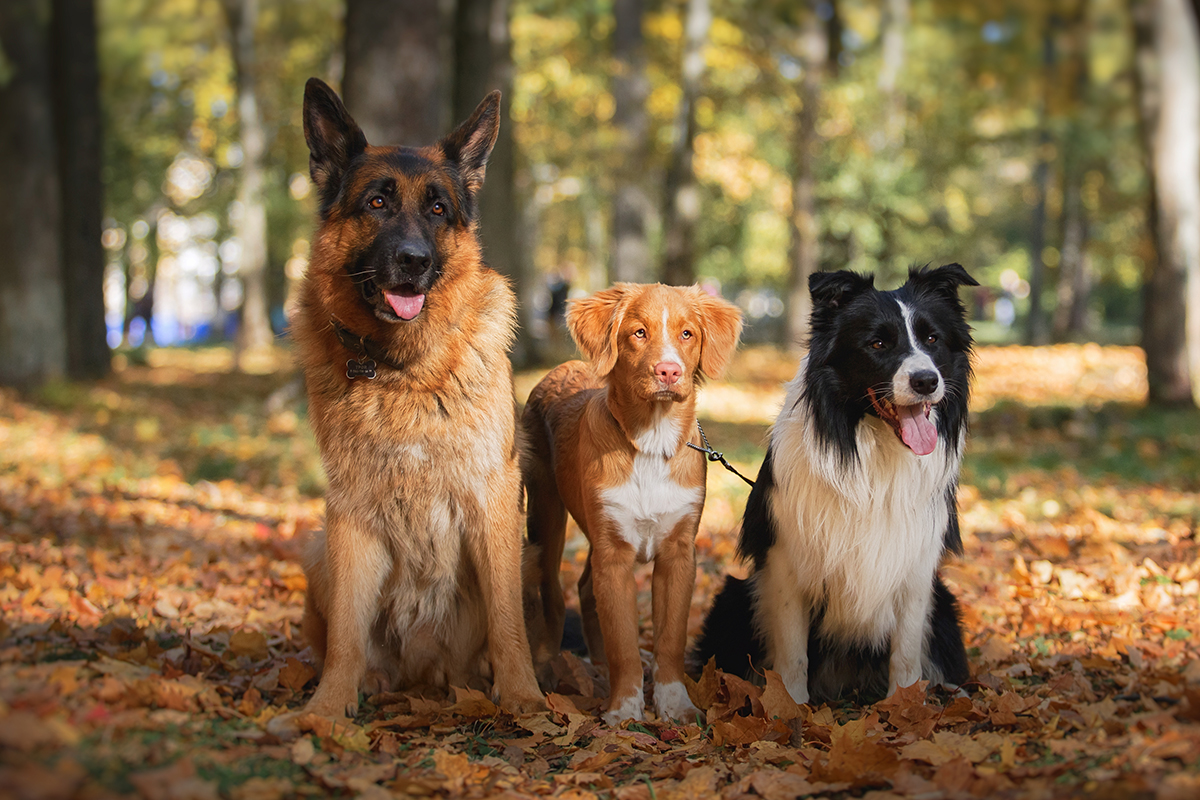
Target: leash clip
<point>713,455</point>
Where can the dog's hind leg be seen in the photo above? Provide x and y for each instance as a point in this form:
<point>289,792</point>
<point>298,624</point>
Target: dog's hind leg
<point>547,528</point>
<point>728,634</point>
<point>355,564</point>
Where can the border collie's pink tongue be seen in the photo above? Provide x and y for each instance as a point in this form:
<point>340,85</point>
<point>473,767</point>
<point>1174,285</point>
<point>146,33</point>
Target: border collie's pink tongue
<point>406,302</point>
<point>916,430</point>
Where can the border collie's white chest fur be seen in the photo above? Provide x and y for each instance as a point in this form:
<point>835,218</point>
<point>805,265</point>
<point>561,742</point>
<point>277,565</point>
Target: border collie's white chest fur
<point>851,535</point>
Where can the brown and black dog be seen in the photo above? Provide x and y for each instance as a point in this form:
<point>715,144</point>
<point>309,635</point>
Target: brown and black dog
<point>403,334</point>
<point>608,443</point>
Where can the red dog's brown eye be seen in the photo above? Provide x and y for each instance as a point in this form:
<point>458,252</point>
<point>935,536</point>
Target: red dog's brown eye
<point>376,202</point>
<point>640,333</point>
<point>439,209</point>
<point>686,334</point>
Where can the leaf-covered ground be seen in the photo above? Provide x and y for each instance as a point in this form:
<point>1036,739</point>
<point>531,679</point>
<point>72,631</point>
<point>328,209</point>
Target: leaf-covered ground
<point>149,529</point>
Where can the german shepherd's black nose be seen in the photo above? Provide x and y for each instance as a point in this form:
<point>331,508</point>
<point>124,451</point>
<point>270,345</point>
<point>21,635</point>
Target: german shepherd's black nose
<point>924,382</point>
<point>414,257</point>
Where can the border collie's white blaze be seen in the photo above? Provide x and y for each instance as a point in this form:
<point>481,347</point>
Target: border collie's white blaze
<point>854,505</point>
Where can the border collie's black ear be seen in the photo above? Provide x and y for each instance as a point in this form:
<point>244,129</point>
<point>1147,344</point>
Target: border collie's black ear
<point>469,145</point>
<point>831,290</point>
<point>944,280</point>
<point>333,137</point>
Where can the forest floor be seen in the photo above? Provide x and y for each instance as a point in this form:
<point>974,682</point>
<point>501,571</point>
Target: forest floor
<point>150,598</point>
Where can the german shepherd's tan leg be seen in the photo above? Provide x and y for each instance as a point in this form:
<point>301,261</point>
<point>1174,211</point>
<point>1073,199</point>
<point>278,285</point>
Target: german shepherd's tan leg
<point>496,551</point>
<point>356,564</point>
<point>673,585</point>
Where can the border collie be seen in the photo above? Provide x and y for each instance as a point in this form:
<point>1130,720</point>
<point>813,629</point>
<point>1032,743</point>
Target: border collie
<point>855,504</point>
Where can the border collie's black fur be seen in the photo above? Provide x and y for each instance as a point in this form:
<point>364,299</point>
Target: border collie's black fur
<point>855,505</point>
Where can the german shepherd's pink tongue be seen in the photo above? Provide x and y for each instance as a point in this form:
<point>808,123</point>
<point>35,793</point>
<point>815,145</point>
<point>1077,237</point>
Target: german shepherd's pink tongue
<point>916,430</point>
<point>405,302</point>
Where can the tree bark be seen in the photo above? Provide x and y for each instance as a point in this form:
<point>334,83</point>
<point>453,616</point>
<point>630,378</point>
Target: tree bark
<point>1036,329</point>
<point>1169,84</point>
<point>895,29</point>
<point>805,250</point>
<point>483,62</point>
<point>254,333</point>
<point>395,85</point>
<point>77,119</point>
<point>682,192</point>
<point>633,212</point>
<point>33,345</point>
<point>1074,273</point>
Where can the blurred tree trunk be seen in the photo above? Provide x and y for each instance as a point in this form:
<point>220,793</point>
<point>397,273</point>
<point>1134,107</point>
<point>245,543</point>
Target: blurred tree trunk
<point>250,226</point>
<point>895,30</point>
<point>483,62</point>
<point>1074,278</point>
<point>805,251</point>
<point>682,193</point>
<point>1074,272</point>
<point>632,209</point>
<point>77,119</point>
<point>1036,327</point>
<point>33,344</point>
<point>395,85</point>
<point>1169,86</point>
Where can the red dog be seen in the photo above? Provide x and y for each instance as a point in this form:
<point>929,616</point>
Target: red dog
<point>608,443</point>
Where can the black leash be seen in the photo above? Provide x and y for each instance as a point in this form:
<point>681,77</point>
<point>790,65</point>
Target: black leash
<point>713,455</point>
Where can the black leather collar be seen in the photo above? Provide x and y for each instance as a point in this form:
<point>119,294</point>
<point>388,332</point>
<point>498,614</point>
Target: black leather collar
<point>369,352</point>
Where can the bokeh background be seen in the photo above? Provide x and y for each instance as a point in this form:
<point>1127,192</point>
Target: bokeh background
<point>157,189</point>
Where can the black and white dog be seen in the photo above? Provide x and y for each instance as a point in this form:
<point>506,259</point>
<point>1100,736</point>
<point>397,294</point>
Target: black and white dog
<point>855,502</point>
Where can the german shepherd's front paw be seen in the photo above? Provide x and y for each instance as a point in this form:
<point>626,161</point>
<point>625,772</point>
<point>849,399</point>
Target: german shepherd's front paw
<point>524,703</point>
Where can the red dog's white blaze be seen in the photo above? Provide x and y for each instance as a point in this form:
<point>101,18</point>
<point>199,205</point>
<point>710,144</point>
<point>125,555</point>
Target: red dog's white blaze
<point>609,446</point>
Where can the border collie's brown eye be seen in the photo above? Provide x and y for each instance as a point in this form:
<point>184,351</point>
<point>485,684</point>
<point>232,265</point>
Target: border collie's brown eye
<point>686,334</point>
<point>439,209</point>
<point>377,202</point>
<point>931,338</point>
<point>640,333</point>
<point>877,344</point>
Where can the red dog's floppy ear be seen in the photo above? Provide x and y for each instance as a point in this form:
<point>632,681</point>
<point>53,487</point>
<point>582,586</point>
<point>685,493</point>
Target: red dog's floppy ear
<point>721,327</point>
<point>594,322</point>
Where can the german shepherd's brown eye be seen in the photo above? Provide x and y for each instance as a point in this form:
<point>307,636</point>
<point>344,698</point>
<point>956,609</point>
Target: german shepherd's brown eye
<point>640,333</point>
<point>377,202</point>
<point>439,209</point>
<point>686,334</point>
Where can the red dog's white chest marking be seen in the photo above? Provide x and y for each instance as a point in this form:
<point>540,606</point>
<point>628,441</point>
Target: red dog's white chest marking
<point>648,506</point>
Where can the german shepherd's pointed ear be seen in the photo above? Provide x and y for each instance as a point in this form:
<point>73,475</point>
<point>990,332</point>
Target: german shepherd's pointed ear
<point>720,329</point>
<point>470,144</point>
<point>945,279</point>
<point>594,323</point>
<point>334,139</point>
<point>832,290</point>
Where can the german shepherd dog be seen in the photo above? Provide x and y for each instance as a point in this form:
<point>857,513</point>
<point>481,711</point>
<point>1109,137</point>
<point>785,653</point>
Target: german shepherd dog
<point>403,334</point>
